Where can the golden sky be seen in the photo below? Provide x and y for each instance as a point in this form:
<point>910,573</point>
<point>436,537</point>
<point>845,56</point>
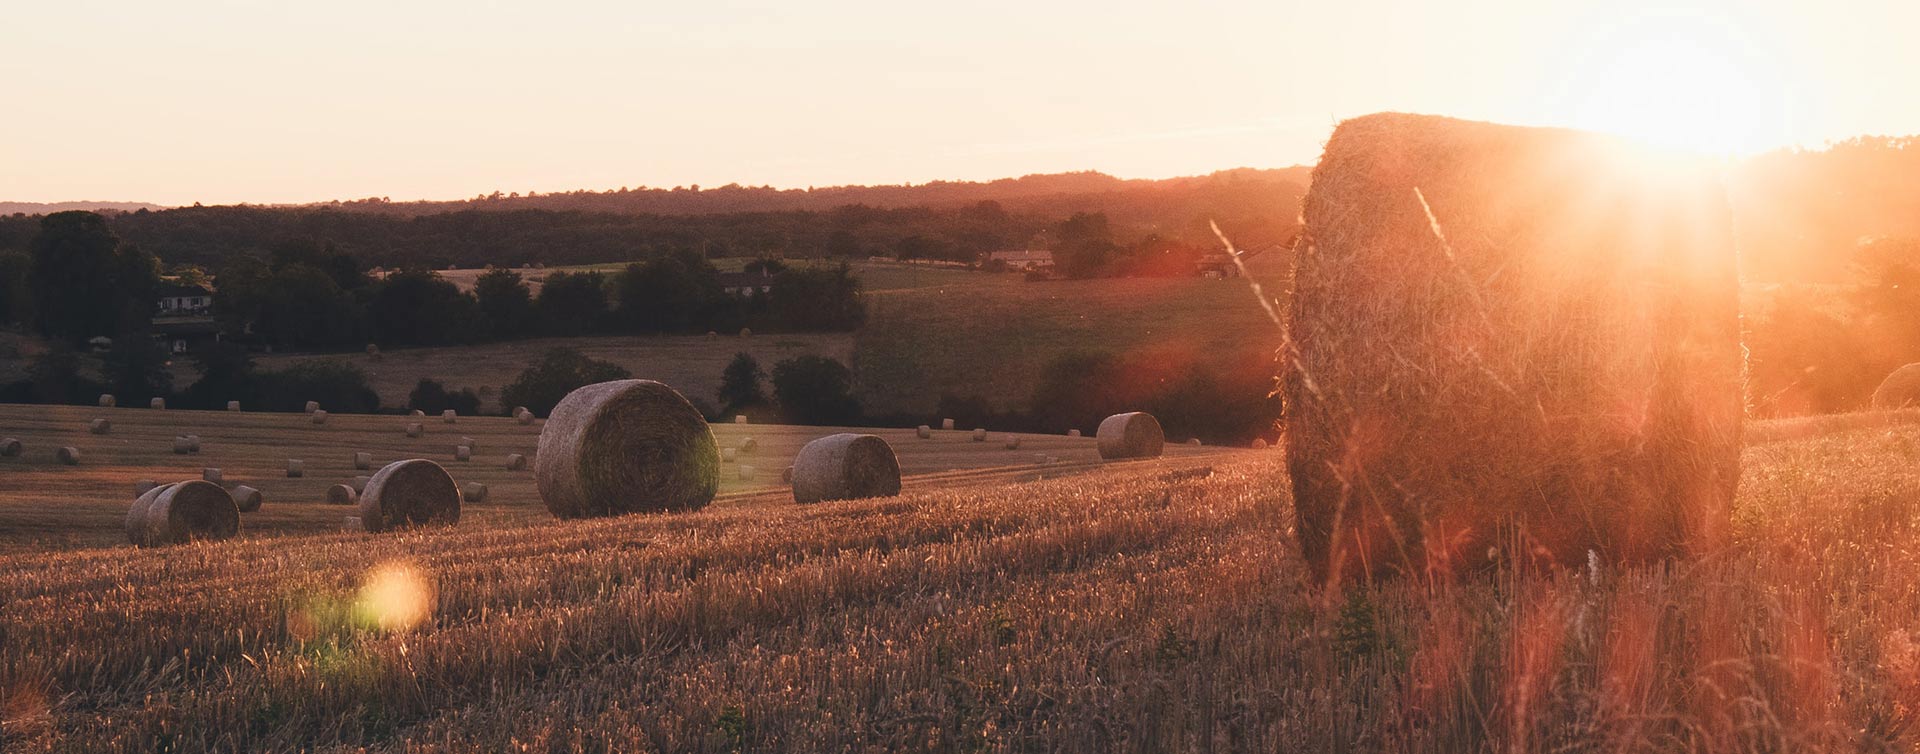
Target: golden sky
<point>228,101</point>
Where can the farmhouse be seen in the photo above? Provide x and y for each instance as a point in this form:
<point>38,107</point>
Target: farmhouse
<point>174,299</point>
<point>1022,260</point>
<point>755,282</point>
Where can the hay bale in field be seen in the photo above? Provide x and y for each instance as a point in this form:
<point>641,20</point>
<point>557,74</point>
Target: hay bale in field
<point>417,414</point>
<point>211,474</point>
<point>108,401</point>
<point>923,432</point>
<point>1135,434</point>
<point>1508,335</point>
<point>625,446</point>
<point>342,494</point>
<point>1194,442</point>
<point>747,472</point>
<point>178,513</point>
<point>462,453</point>
<point>524,417</point>
<point>246,498</point>
<point>727,455</point>
<point>979,435</point>
<point>746,332</point>
<point>518,411</point>
<point>845,466</point>
<point>712,334</point>
<point>100,426</point>
<point>749,445</point>
<point>415,492</point>
<point>1012,442</point>
<point>233,406</point>
<point>449,416</point>
<point>67,456</point>
<point>516,462</point>
<point>353,523</point>
<point>786,475</point>
<point>1901,389</point>
<point>312,406</point>
<point>157,403</point>
<point>739,418</point>
<point>946,424</point>
<point>10,447</point>
<point>1259,443</point>
<point>468,441</point>
<point>183,445</point>
<point>144,486</point>
<point>1073,433</point>
<point>373,351</point>
<point>475,492</point>
<point>296,468</point>
<point>359,483</point>
<point>319,417</point>
<point>144,491</point>
<point>416,429</point>
<point>362,461</point>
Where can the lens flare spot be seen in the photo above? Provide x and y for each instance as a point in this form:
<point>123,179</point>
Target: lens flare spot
<point>394,597</point>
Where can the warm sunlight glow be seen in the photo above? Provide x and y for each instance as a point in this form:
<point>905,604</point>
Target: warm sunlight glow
<point>395,597</point>
<point>1683,92</point>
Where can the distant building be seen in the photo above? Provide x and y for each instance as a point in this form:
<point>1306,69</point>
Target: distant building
<point>1022,260</point>
<point>175,300</point>
<point>755,282</point>
<point>1218,264</point>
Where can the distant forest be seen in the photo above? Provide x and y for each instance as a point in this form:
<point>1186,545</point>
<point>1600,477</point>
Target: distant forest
<point>956,221</point>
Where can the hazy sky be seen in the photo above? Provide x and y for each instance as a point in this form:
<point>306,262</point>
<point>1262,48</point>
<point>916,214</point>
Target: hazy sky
<point>203,100</point>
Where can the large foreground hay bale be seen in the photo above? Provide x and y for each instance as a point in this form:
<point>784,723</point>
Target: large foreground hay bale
<point>1508,336</point>
<point>415,492</point>
<point>136,522</point>
<point>625,446</point>
<point>10,447</point>
<point>100,426</point>
<point>67,456</point>
<point>1135,434</point>
<point>342,494</point>
<point>1900,389</point>
<point>845,466</point>
<point>108,401</point>
<point>246,498</point>
<point>187,511</point>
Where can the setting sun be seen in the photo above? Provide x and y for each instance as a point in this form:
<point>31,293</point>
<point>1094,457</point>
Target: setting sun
<point>1692,89</point>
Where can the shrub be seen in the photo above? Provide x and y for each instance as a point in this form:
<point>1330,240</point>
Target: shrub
<point>560,372</point>
<point>815,390</point>
<point>431,397</point>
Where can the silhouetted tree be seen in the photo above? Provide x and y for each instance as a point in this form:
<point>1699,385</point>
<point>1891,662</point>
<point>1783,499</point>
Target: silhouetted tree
<point>740,388</point>
<point>560,371</point>
<point>815,390</point>
<point>431,397</point>
<point>573,303</point>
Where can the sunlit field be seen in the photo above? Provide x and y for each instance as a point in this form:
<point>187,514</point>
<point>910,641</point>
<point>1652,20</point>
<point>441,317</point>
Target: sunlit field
<point>1143,606</point>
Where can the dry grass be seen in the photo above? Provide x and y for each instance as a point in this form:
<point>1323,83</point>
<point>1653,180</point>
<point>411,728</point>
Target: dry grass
<point>1153,606</point>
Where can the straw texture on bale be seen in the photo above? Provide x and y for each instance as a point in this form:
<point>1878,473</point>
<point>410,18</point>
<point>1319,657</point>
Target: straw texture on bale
<point>1135,434</point>
<point>68,455</point>
<point>177,513</point>
<point>625,446</point>
<point>414,492</point>
<point>233,405</point>
<point>100,426</point>
<point>210,474</point>
<point>362,461</point>
<point>319,417</point>
<point>845,466</point>
<point>296,468</point>
<point>1900,389</point>
<point>246,498</point>
<point>136,521</point>
<point>475,492</point>
<point>108,401</point>
<point>923,432</point>
<point>313,406</point>
<point>449,416</point>
<point>416,429</point>
<point>342,494</point>
<point>10,447</point>
<point>1508,336</point>
<point>516,462</point>
<point>462,453</point>
<point>157,403</point>
<point>946,424</point>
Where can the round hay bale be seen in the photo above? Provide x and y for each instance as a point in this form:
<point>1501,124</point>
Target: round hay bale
<point>211,474</point>
<point>373,351</point>
<point>1259,443</point>
<point>416,429</point>
<point>415,492</point>
<point>312,406</point>
<point>475,492</point>
<point>67,456</point>
<point>342,494</point>
<point>108,401</point>
<point>845,466</point>
<point>979,435</point>
<point>187,511</point>
<point>1194,441</point>
<point>359,483</point>
<point>468,441</point>
<point>516,462</point>
<point>727,455</point>
<point>749,445</point>
<point>100,426</point>
<point>1073,433</point>
<point>1012,442</point>
<point>1131,435</point>
<point>136,522</point>
<point>946,424</point>
<point>296,468</point>
<point>712,334</point>
<point>786,475</point>
<point>319,417</point>
<point>417,414</point>
<point>449,416</point>
<point>519,411</point>
<point>626,446</point>
<point>233,406</point>
<point>157,403</point>
<point>362,461</point>
<point>524,417</point>
<point>747,472</point>
<point>740,418</point>
<point>924,432</point>
<point>10,447</point>
<point>462,453</point>
<point>746,332</point>
<point>1901,389</point>
<point>182,446</point>
<point>246,498</point>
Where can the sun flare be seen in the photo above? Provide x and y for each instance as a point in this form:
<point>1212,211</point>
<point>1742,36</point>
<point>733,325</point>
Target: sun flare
<point>1684,92</point>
